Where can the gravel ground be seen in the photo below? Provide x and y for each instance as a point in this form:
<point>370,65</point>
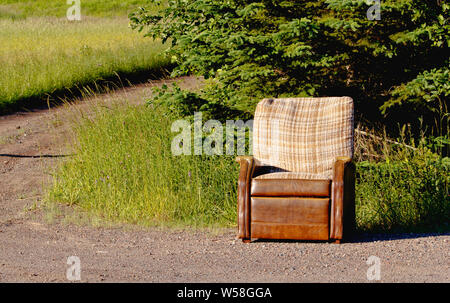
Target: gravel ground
<point>34,249</point>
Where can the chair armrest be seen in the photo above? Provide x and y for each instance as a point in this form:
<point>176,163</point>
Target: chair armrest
<point>245,175</point>
<point>342,214</point>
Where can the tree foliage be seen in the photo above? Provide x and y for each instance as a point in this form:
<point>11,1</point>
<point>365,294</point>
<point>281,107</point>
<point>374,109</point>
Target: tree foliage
<point>252,49</point>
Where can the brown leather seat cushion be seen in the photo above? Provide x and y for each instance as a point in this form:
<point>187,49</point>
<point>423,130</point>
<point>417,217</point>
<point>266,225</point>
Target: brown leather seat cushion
<point>290,188</point>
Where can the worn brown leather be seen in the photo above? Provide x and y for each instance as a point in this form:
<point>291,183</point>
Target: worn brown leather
<point>296,209</point>
<point>290,187</point>
<point>290,218</point>
<point>245,174</point>
<point>290,210</point>
<point>299,231</point>
<point>342,214</point>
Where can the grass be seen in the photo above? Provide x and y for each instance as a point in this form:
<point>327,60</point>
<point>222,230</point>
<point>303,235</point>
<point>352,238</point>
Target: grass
<point>131,176</point>
<point>123,171</point>
<point>42,55</point>
<point>20,9</point>
<point>401,186</point>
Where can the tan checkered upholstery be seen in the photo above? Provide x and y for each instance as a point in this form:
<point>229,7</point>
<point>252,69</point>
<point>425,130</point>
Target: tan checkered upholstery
<point>302,136</point>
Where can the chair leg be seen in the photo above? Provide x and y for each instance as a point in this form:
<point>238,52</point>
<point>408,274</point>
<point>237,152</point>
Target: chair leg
<point>246,240</point>
<point>337,241</point>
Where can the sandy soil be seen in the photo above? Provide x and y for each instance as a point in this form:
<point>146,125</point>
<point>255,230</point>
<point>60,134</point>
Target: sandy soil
<point>34,249</point>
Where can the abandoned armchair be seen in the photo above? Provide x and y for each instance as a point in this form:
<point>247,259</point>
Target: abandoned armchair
<point>299,183</point>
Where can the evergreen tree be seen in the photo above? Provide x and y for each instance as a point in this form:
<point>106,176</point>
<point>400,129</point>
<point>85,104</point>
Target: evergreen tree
<point>253,49</point>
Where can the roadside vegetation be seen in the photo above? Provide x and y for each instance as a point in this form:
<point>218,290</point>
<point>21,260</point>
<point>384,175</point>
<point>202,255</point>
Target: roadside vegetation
<point>131,176</point>
<point>401,185</point>
<point>123,170</point>
<point>396,70</point>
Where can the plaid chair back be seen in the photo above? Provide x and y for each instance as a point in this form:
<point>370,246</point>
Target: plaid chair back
<point>303,135</point>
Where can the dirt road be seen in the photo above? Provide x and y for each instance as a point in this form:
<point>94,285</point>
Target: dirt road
<point>34,248</point>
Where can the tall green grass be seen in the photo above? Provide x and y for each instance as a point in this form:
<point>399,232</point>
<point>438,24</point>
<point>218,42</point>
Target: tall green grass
<point>401,185</point>
<point>20,9</point>
<point>123,171</point>
<point>39,56</point>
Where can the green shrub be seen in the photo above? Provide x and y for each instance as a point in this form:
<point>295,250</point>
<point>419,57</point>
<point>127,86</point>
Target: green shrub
<point>184,103</point>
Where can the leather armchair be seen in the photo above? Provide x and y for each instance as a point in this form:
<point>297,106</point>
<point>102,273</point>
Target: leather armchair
<point>276,201</point>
